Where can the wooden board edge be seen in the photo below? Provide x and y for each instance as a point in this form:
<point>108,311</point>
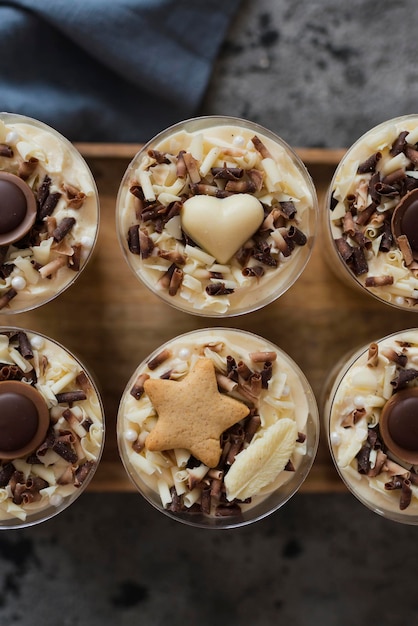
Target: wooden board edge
<point>314,156</point>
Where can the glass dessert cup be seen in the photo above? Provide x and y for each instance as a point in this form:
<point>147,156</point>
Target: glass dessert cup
<point>217,216</point>
<point>51,428</point>
<point>370,219</point>
<point>49,213</point>
<point>217,428</point>
<point>370,404</point>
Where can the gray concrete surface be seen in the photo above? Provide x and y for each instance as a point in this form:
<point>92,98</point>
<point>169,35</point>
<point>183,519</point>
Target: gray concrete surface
<point>318,72</point>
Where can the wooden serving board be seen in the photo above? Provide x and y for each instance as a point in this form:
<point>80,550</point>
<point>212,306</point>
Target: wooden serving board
<point>112,322</point>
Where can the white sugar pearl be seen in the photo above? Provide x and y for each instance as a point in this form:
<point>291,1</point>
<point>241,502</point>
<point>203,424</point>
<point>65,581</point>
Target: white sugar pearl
<point>12,137</point>
<point>87,242</point>
<point>184,353</point>
<point>335,438</point>
<point>359,401</point>
<point>56,499</point>
<point>399,300</point>
<point>37,342</point>
<point>238,140</point>
<point>131,434</point>
<point>18,283</point>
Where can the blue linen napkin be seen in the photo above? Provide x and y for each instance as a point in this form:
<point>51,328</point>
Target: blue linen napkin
<point>103,70</point>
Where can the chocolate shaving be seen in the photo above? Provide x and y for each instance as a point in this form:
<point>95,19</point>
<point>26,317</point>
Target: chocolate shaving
<point>68,397</point>
<point>297,236</point>
<point>344,248</point>
<point>133,239</point>
<point>257,178</point>
<point>262,253</point>
<point>227,173</point>
<point>208,190</point>
<point>47,208</point>
<point>159,359</point>
<point>175,281</point>
<point>387,238</point>
<point>360,265</point>
<point>383,189</point>
<point>63,228</point>
<point>25,347</point>
<point>252,424</point>
<point>192,166</point>
<point>218,289</point>
<point>373,355</point>
<point>363,459</point>
<point>406,495</point>
<point>240,186</point>
<point>254,271</point>
<point>74,261</point>
<point>405,249</point>
<point>399,358</point>
<point>65,451</point>
<point>138,387</point>
<point>6,472</point>
<point>27,168</point>
<point>261,148</point>
<point>353,417</point>
<point>75,196</point>
<point>228,510</point>
<point>160,157</point>
<point>6,297</point>
<point>404,377</point>
<point>399,144</point>
<point>412,154</point>
<point>349,227</point>
<point>262,356</point>
<point>146,244</point>
<point>82,472</point>
<point>6,151</point>
<point>378,281</point>
<point>289,209</point>
<point>369,165</point>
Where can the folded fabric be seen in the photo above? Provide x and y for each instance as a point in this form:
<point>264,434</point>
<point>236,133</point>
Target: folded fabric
<point>109,71</point>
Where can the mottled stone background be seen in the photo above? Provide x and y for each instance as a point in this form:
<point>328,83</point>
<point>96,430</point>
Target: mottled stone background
<point>318,72</point>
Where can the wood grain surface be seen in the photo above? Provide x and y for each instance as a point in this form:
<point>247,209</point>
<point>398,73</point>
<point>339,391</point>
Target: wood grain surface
<point>112,322</point>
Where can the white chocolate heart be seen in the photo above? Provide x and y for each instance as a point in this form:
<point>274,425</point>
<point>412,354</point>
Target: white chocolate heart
<point>221,225</point>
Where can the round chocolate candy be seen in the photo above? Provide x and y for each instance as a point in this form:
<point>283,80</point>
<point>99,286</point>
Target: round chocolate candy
<point>24,419</point>
<point>399,424</point>
<point>17,208</point>
<point>405,220</point>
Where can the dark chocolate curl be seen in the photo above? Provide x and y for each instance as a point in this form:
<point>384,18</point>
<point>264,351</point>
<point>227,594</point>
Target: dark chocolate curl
<point>63,228</point>
<point>344,248</point>
<point>49,205</point>
<point>6,151</point>
<point>399,144</point>
<point>67,397</point>
<point>133,239</point>
<point>404,377</point>
<point>369,165</point>
<point>25,347</point>
<point>297,236</point>
<point>360,265</point>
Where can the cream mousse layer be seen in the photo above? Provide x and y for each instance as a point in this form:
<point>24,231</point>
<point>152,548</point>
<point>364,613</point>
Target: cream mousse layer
<point>377,465</point>
<point>46,479</point>
<point>268,452</point>
<point>373,212</point>
<point>49,257</point>
<point>217,220</point>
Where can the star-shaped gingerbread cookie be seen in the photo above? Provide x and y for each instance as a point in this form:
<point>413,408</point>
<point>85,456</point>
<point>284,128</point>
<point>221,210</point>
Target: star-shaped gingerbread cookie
<point>192,413</point>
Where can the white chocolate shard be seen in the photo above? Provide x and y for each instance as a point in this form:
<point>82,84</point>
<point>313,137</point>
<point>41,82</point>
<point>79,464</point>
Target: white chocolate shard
<point>258,465</point>
<point>221,225</point>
